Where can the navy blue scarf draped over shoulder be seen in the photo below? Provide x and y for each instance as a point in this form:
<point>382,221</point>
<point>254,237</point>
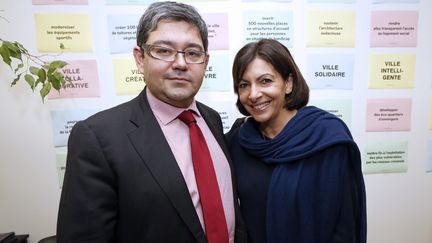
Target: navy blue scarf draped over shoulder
<point>304,192</point>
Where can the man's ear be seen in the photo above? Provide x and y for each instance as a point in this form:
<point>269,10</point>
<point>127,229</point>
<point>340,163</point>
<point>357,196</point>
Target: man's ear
<point>139,58</point>
<point>206,62</point>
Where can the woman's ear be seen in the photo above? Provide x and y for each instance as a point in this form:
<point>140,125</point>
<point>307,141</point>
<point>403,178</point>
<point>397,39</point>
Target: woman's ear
<point>289,84</point>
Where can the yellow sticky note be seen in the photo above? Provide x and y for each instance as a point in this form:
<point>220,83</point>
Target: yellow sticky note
<point>331,29</point>
<point>128,79</point>
<point>391,71</point>
<point>71,31</point>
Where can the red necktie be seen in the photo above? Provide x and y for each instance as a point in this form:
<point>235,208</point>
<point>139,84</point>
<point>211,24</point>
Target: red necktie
<point>211,203</point>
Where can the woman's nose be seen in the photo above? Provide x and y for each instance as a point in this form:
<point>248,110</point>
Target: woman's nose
<point>255,93</point>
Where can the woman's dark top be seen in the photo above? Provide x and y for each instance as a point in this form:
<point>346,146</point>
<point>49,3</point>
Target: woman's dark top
<point>310,191</point>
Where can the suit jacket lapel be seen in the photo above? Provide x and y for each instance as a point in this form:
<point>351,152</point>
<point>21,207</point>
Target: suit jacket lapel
<point>150,143</point>
<point>213,125</point>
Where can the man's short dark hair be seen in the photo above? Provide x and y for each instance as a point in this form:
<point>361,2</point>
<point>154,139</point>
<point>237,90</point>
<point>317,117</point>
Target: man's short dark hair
<point>158,11</point>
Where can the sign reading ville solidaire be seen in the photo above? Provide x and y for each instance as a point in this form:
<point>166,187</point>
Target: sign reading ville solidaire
<point>330,71</point>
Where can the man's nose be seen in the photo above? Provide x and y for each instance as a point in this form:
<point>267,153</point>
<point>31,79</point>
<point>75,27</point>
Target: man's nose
<point>180,61</point>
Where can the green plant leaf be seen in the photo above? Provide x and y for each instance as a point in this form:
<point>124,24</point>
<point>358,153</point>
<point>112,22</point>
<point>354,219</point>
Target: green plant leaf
<point>58,64</point>
<point>56,80</point>
<point>14,50</point>
<point>30,80</point>
<point>63,82</point>
<point>4,52</point>
<point>45,90</point>
<point>34,70</point>
<point>16,80</point>
<point>53,66</point>
<point>43,72</point>
<point>42,76</point>
<point>21,47</point>
<point>19,66</point>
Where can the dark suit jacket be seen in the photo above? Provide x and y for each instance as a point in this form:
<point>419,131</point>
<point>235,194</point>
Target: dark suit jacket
<point>123,185</point>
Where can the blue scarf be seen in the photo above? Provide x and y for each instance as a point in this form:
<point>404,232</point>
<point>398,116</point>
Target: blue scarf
<point>304,196</point>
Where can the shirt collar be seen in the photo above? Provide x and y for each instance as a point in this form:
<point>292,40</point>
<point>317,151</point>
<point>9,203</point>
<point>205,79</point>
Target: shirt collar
<point>165,112</point>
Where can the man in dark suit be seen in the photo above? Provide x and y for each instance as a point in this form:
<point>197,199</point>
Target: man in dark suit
<point>129,175</point>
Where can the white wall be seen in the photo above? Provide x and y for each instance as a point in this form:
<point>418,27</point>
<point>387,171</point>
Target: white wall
<point>399,208</point>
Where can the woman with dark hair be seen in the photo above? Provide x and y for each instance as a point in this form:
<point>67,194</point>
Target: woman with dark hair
<point>297,167</point>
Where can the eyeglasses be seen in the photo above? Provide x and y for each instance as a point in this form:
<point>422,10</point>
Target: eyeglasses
<point>191,55</point>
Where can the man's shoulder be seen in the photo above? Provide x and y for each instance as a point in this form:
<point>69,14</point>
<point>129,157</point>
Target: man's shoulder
<point>114,114</point>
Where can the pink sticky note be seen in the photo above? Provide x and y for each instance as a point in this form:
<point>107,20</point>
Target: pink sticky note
<point>393,29</point>
<point>217,24</point>
<point>60,2</point>
<point>82,80</point>
<point>388,115</point>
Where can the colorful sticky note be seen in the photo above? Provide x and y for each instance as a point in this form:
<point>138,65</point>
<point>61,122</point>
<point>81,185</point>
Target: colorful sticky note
<point>391,71</point>
<point>216,77</point>
<point>284,1</point>
<point>64,120</point>
<point>122,32</point>
<point>330,71</point>
<point>63,32</point>
<point>331,1</point>
<point>217,25</point>
<point>385,157</point>
<point>338,107</point>
<point>194,1</point>
<point>128,79</point>
<point>81,78</point>
<point>394,29</point>
<point>395,1</point>
<point>330,29</point>
<point>269,24</point>
<point>128,2</point>
<point>388,115</point>
<point>59,2</point>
